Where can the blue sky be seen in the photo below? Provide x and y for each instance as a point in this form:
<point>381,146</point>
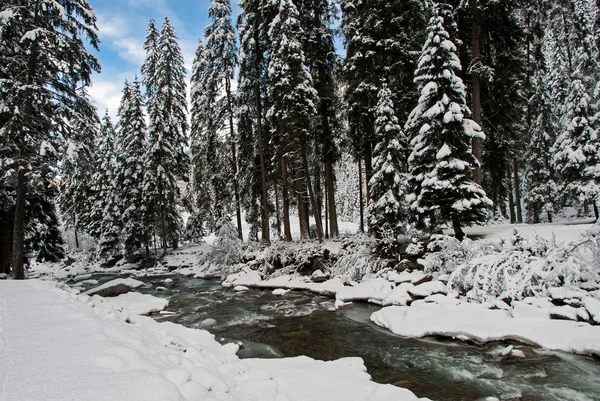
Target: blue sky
<point>122,27</point>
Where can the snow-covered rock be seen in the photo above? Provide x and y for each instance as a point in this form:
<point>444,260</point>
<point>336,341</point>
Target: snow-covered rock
<point>240,288</point>
<point>132,303</point>
<point>593,307</point>
<point>318,276</point>
<point>280,291</point>
<point>398,296</point>
<point>426,289</point>
<point>563,312</point>
<point>115,287</point>
<point>524,310</point>
<point>414,277</point>
<point>475,322</point>
<point>374,289</point>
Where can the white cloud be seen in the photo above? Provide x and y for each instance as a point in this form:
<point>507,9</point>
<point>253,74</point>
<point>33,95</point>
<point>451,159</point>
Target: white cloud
<point>106,94</point>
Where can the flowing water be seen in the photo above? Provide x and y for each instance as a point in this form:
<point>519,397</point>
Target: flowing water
<point>300,323</point>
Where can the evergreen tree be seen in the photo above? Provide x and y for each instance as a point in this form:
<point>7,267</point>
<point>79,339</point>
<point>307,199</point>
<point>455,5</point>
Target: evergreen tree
<point>293,100</point>
<point>220,54</point>
<point>102,179</point>
<point>576,149</point>
<point>387,210</point>
<point>129,180</point>
<point>43,60</point>
<point>106,217</point>
<point>253,138</point>
<point>441,161</point>
<point>165,161</point>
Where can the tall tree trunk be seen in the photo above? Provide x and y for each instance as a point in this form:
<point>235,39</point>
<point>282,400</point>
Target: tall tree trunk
<point>458,232</point>
<point>163,231</point>
<point>330,195</point>
<point>18,251</point>
<point>311,196</point>
<point>75,231</point>
<point>287,233</point>
<point>6,231</point>
<point>511,203</point>
<point>586,208</point>
<point>368,175</point>
<point>300,189</point>
<point>277,212</point>
<point>18,246</point>
<point>265,229</point>
<point>360,196</point>
<point>595,209</point>
<point>326,214</point>
<point>517,185</point>
<point>549,213</point>
<point>236,189</point>
<point>476,95</point>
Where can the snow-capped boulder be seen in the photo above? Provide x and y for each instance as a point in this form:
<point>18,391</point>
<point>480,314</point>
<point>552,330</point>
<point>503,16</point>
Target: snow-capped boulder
<point>592,305</point>
<point>115,287</point>
<point>240,288</point>
<point>563,313</point>
<point>318,276</point>
<point>426,289</point>
<point>398,296</point>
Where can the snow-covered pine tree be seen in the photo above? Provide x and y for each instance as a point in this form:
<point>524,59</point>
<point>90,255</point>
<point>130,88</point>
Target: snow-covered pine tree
<point>129,180</point>
<point>102,179</point>
<point>43,234</point>
<point>293,102</point>
<point>77,195</point>
<point>577,148</point>
<point>388,211</point>
<point>203,149</point>
<point>542,189</point>
<point>220,53</point>
<point>252,134</point>
<point>441,161</point>
<point>165,160</point>
<point>149,66</point>
<point>43,60</point>
<point>105,210</point>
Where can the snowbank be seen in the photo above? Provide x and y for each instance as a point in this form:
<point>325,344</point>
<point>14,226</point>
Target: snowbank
<point>58,346</point>
<point>476,322</point>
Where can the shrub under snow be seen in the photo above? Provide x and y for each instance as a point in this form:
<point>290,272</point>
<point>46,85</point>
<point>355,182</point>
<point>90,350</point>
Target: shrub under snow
<point>513,269</point>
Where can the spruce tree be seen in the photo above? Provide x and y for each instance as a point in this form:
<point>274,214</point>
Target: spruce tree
<point>293,100</point>
<point>441,161</point>
<point>129,180</point>
<point>165,161</point>
<point>387,210</point>
<point>577,147</point>
<point>253,136</point>
<point>102,179</point>
<point>220,54</point>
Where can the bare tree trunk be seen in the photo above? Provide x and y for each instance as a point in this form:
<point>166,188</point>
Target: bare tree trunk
<point>326,214</point>
<point>287,233</point>
<point>458,232</point>
<point>18,251</point>
<point>360,196</point>
<point>278,214</point>
<point>586,208</point>
<point>517,185</point>
<point>302,212</point>
<point>549,216</point>
<point>476,95</point>
<point>511,203</point>
<point>6,231</point>
<point>265,229</point>
<point>236,189</point>
<point>311,196</point>
<point>76,236</point>
<point>368,175</point>
<point>595,209</point>
<point>330,195</point>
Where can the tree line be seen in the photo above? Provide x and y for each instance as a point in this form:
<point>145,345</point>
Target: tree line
<point>449,110</point>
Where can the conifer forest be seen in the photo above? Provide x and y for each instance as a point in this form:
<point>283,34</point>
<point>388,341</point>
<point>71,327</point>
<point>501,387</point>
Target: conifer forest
<point>408,117</point>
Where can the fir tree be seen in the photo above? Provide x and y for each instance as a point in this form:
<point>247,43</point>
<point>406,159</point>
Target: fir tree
<point>165,160</point>
<point>129,179</point>
<point>441,161</point>
<point>576,149</point>
<point>293,100</point>
<point>102,184</point>
<point>220,54</point>
<point>387,210</point>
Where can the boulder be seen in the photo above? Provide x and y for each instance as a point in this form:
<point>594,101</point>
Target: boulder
<point>115,287</point>
<point>563,313</point>
<point>318,276</point>
<point>424,290</point>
